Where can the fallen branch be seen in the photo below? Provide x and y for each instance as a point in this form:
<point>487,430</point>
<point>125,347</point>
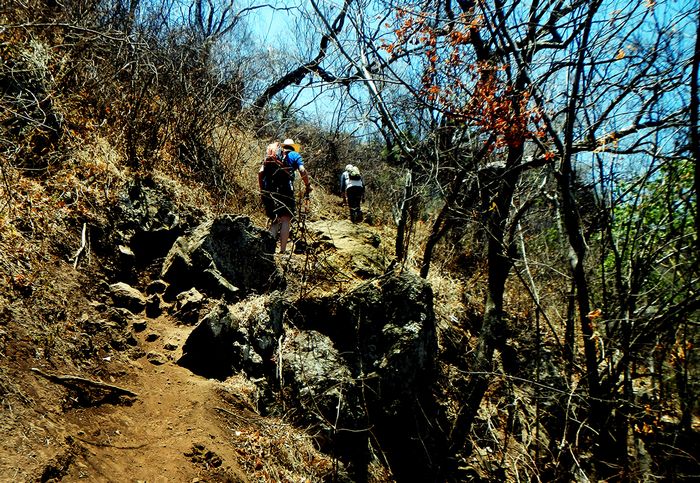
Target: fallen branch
<point>82,246</point>
<point>73,381</point>
<point>247,419</point>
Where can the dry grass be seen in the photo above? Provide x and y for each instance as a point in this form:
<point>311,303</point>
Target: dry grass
<point>269,448</point>
<point>42,213</point>
<point>272,450</point>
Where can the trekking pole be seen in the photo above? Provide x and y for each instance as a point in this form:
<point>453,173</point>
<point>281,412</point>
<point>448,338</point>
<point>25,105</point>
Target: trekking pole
<point>303,209</point>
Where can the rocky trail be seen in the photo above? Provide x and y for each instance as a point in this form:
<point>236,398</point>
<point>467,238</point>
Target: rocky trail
<point>170,432</point>
<point>143,417</point>
<point>174,429</point>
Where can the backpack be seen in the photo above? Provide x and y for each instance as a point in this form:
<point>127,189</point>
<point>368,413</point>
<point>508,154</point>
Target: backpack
<point>276,170</point>
<point>354,173</point>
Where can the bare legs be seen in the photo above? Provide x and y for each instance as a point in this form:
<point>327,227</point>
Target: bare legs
<point>281,224</point>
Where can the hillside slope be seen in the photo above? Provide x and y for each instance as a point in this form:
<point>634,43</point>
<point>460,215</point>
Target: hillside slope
<point>67,382</point>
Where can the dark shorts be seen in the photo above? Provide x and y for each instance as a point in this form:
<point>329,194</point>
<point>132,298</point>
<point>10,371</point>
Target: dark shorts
<point>354,195</point>
<point>278,203</point>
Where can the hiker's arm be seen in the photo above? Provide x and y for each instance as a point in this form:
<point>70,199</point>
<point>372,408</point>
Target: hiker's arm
<point>305,178</point>
<point>343,186</point>
<point>260,177</point>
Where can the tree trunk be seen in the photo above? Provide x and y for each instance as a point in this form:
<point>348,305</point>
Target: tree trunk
<point>496,197</point>
<point>440,227</point>
<point>400,247</point>
<point>492,330</point>
<point>694,134</point>
<point>442,223</point>
<point>569,333</point>
<point>601,405</point>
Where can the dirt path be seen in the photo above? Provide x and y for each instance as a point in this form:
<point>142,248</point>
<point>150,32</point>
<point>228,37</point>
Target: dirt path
<point>172,432</point>
<point>180,428</point>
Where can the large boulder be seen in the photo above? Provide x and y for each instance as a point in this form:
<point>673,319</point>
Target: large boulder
<point>233,338</point>
<point>398,346</point>
<point>407,340</point>
<point>318,383</point>
<point>143,225</point>
<point>225,257</point>
<point>348,365</point>
<point>385,329</point>
<point>386,333</point>
<point>348,245</point>
<point>318,375</point>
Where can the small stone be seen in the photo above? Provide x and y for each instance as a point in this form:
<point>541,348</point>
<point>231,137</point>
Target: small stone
<point>140,325</point>
<point>126,251</point>
<point>156,358</point>
<point>126,296</point>
<point>152,337</point>
<point>137,353</point>
<point>120,315</point>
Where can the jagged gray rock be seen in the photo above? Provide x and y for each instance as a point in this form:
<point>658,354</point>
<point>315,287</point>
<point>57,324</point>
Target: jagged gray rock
<point>376,347</point>
<point>227,257</point>
<point>127,297</point>
<point>229,339</point>
<point>345,363</point>
<point>385,332</point>
<point>321,387</point>
<point>187,306</point>
<point>143,225</point>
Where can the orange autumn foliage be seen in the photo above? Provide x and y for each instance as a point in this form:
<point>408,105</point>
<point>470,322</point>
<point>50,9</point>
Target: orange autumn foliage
<point>475,93</point>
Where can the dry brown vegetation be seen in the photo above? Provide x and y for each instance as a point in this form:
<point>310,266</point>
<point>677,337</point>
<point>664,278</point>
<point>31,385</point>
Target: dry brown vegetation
<point>91,111</point>
<point>74,138</point>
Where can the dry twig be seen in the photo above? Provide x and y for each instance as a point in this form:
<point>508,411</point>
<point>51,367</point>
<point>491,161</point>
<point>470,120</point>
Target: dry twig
<point>75,382</point>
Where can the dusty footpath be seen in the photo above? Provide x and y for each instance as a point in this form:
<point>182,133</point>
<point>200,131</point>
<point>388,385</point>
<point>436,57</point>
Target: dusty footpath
<point>175,429</point>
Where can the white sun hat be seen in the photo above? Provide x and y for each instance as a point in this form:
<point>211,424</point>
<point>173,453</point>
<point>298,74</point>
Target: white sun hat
<point>289,143</point>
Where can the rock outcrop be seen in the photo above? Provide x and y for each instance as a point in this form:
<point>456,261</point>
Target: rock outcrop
<point>346,365</point>
<point>350,246</point>
<point>231,339</point>
<point>225,257</point>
